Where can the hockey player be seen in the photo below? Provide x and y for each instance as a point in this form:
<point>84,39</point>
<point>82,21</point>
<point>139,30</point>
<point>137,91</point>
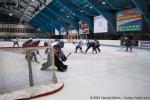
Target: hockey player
<point>90,44</point>
<point>35,43</point>
<point>31,43</point>
<point>47,43</point>
<point>60,57</point>
<point>27,43</point>
<point>128,44</point>
<point>16,42</point>
<point>33,54</point>
<point>96,46</point>
<point>79,46</point>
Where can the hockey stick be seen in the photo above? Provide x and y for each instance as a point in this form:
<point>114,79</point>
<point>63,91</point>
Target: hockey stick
<point>75,43</point>
<point>68,55</point>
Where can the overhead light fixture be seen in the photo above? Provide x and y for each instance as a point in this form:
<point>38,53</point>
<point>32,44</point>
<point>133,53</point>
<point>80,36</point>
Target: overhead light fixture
<point>81,11</point>
<point>32,0</point>
<point>10,14</point>
<point>68,16</point>
<point>73,14</point>
<point>103,2</point>
<point>62,10</point>
<point>91,7</point>
<point>38,29</point>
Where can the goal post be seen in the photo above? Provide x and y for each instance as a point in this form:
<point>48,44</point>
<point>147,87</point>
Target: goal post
<point>17,73</point>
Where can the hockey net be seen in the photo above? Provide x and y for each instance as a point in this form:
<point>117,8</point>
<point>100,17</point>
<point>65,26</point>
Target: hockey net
<point>16,74</point>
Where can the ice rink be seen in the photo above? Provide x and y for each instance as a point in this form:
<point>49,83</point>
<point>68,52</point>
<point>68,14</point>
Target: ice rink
<point>105,74</point>
<point>109,73</point>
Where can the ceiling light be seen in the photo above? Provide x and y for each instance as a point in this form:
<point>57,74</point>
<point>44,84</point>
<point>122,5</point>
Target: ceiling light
<point>32,0</point>
<point>73,13</point>
<point>10,14</point>
<point>103,2</point>
<point>91,7</point>
<point>38,29</point>
<point>62,10</point>
<point>81,11</point>
<point>68,16</point>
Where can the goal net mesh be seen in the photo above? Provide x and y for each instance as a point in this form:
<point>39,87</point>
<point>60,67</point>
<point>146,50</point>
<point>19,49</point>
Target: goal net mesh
<point>14,72</point>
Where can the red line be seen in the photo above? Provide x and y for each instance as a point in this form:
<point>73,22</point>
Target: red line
<point>45,94</point>
<point>23,47</point>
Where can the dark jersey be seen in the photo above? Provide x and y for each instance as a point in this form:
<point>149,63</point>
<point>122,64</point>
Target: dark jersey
<point>90,44</point>
<point>59,52</point>
<point>35,43</point>
<point>27,43</point>
<point>45,43</point>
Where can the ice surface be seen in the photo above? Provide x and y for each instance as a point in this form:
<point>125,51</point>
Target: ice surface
<point>109,73</point>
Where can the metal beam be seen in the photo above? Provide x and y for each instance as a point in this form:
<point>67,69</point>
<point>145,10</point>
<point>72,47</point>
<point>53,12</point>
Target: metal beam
<point>56,9</point>
<point>37,26</point>
<point>108,2</point>
<point>25,1</point>
<point>32,6</point>
<point>40,24</point>
<point>110,16</point>
<point>80,15</point>
<point>47,22</point>
<point>29,12</point>
<point>143,7</point>
<point>71,22</point>
<point>26,18</point>
<point>52,20</point>
<point>49,13</point>
<point>87,13</point>
<point>27,15</point>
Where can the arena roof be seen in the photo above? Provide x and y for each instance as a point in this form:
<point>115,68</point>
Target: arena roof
<point>48,15</point>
